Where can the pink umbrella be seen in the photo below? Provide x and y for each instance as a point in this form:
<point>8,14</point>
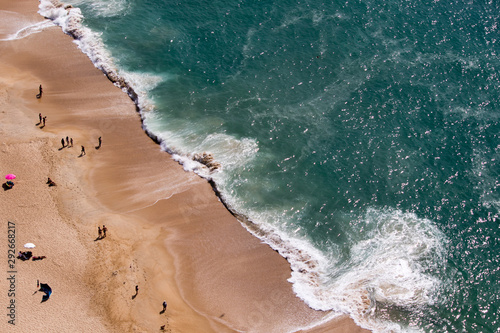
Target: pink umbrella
<point>10,176</point>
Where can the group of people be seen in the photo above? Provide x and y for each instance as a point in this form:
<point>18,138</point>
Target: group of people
<point>102,232</point>
<point>68,143</point>
<point>50,182</point>
<point>27,255</point>
<point>42,120</point>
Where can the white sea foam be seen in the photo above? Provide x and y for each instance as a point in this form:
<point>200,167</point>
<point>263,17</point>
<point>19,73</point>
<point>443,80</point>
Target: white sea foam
<point>226,150</point>
<point>105,8</point>
<point>389,266</point>
<point>14,26</point>
<point>69,19</point>
<point>142,83</point>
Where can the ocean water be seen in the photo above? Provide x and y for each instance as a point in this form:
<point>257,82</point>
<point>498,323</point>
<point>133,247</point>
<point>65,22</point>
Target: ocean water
<point>359,138</point>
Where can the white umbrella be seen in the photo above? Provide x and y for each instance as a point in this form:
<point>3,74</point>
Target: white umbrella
<point>29,245</point>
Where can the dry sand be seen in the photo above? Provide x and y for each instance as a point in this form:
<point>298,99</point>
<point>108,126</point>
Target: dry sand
<point>167,231</point>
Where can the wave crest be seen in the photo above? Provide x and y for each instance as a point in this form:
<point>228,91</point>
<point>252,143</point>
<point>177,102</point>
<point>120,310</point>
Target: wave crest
<point>393,263</point>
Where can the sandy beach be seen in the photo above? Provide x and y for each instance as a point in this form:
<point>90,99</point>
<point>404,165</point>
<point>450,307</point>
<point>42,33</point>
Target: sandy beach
<point>167,232</point>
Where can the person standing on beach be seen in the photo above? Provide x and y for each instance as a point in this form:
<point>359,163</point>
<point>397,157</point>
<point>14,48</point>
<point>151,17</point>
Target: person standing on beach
<point>62,142</point>
<point>44,118</point>
<point>67,141</point>
<point>164,306</point>
<point>100,142</point>
<point>40,117</point>
<point>104,229</point>
<point>83,151</point>
<point>99,231</point>
<point>71,141</point>
<point>40,91</point>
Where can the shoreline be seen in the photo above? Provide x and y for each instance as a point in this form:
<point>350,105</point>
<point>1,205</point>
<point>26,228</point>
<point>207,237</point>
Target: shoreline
<point>168,232</point>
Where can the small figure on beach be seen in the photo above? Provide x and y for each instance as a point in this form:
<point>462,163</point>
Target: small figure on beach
<point>164,306</point>
<point>67,141</point>
<point>71,142</point>
<point>136,292</point>
<point>43,120</point>
<point>50,182</point>
<point>99,231</point>
<point>62,142</point>
<point>162,327</point>
<point>100,142</point>
<point>104,229</point>
<point>25,255</point>
<point>83,151</point>
<point>40,91</point>
<point>40,118</point>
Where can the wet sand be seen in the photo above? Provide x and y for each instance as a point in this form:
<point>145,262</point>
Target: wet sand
<point>168,233</point>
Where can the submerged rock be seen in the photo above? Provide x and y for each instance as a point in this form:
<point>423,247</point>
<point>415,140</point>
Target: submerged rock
<point>208,160</point>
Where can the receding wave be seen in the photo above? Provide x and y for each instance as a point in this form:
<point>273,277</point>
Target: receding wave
<point>13,26</point>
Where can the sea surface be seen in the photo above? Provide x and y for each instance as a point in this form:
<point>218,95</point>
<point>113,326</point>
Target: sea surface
<point>359,138</point>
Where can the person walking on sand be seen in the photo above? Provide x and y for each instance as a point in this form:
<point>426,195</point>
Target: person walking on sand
<point>164,306</point>
<point>40,118</point>
<point>62,142</point>
<point>71,141</point>
<point>104,229</point>
<point>40,91</point>
<point>44,118</point>
<point>50,182</point>
<point>100,142</point>
<point>99,231</point>
<point>67,141</point>
<point>83,151</point>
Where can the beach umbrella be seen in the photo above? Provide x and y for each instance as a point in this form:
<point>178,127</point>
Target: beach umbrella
<point>10,176</point>
<point>29,245</point>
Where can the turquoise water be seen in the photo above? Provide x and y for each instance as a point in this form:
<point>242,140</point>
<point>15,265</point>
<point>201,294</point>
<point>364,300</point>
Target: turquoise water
<point>362,137</point>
